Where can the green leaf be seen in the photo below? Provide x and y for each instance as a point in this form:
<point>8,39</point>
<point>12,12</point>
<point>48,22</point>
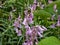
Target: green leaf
<point>41,17</point>
<point>49,41</point>
<point>42,14</point>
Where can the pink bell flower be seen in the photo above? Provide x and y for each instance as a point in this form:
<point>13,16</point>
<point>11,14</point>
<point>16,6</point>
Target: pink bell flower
<point>25,21</point>
<point>55,8</point>
<point>16,29</point>
<point>58,22</point>
<point>16,24</point>
<point>52,26</point>
<point>50,1</point>
<point>19,33</point>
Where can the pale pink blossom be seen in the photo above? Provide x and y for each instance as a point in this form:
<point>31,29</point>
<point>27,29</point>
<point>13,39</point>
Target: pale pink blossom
<point>34,6</point>
<point>24,43</point>
<point>19,33</point>
<point>44,28</point>
<point>35,1</point>
<point>53,17</point>
<point>19,18</point>
<point>58,22</point>
<point>39,27</point>
<point>40,30</point>
<point>28,31</point>
<point>28,19</point>
<point>16,29</point>
<point>16,24</point>
<point>52,26</point>
<point>25,21</point>
<point>38,4</point>
<point>26,12</point>
<point>40,34</point>
<point>50,1</point>
<point>55,8</point>
<point>42,6</point>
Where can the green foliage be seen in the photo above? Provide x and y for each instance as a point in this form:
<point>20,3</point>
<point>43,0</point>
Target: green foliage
<point>49,41</point>
<point>42,14</point>
<point>42,17</point>
<point>49,7</point>
<point>7,33</point>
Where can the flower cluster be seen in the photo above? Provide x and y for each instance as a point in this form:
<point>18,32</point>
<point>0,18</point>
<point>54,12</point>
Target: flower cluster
<point>28,19</point>
<point>53,18</point>
<point>17,25</point>
<point>57,23</point>
<point>32,32</point>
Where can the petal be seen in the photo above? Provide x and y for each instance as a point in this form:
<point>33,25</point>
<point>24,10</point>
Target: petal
<point>16,29</point>
<point>19,33</point>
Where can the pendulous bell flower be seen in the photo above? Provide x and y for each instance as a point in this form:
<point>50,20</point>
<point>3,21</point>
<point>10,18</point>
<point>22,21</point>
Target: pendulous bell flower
<point>34,5</point>
<point>16,29</point>
<point>25,21</point>
<point>19,33</point>
<point>50,1</point>
<point>44,28</point>
<point>16,24</point>
<point>24,43</point>
<point>28,19</point>
<point>55,8</point>
<point>19,18</point>
<point>53,17</point>
<point>53,25</point>
<point>35,1</point>
<point>58,22</point>
<point>40,30</point>
<point>42,6</point>
<point>28,31</point>
<point>26,12</point>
